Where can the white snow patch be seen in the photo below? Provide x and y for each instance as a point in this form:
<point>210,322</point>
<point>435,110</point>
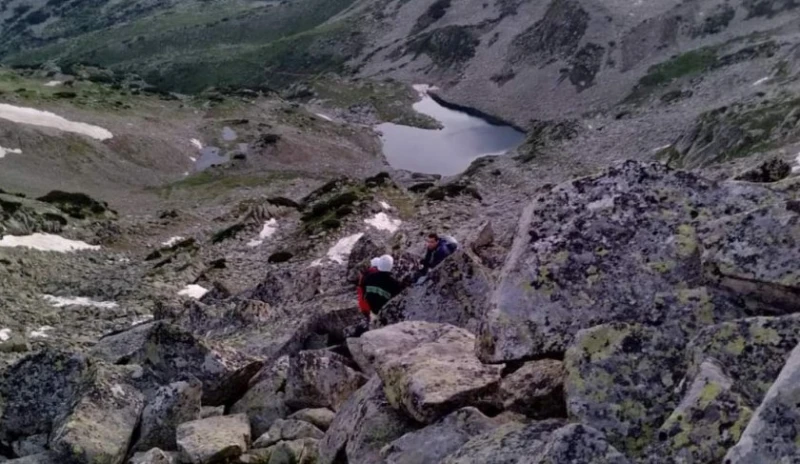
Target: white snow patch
<point>53,83</point>
<point>36,117</point>
<point>316,263</point>
<point>322,116</point>
<point>41,332</point>
<point>385,205</point>
<point>255,243</point>
<point>423,89</point>
<point>761,81</point>
<point>173,241</point>
<point>45,242</point>
<point>5,334</point>
<point>382,221</point>
<point>193,159</point>
<point>117,390</point>
<point>270,227</point>
<point>60,302</point>
<point>9,151</point>
<point>193,291</point>
<point>198,144</point>
<point>796,167</point>
<point>656,150</point>
<point>140,320</point>
<point>339,252</point>
<point>603,203</point>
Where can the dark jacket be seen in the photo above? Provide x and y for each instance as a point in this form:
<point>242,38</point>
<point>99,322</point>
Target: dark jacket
<point>434,257</point>
<point>380,287</point>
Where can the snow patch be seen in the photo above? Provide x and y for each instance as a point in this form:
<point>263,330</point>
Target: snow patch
<point>9,151</point>
<point>339,252</point>
<point>423,89</point>
<point>173,241</point>
<point>193,159</point>
<point>796,167</point>
<point>22,115</point>
<point>193,291</point>
<point>269,229</point>
<point>143,319</point>
<point>385,205</point>
<point>316,263</point>
<point>603,203</point>
<point>45,242</point>
<point>656,150</point>
<point>5,335</point>
<point>198,144</point>
<point>41,332</point>
<point>53,83</point>
<point>117,390</point>
<point>761,81</point>
<point>382,221</point>
<point>322,116</point>
<point>60,302</point>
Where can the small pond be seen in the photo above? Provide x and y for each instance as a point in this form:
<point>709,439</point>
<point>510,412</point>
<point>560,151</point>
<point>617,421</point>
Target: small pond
<point>447,151</point>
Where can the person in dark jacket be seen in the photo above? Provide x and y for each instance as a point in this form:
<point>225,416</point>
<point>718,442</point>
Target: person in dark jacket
<point>381,286</point>
<point>437,249</point>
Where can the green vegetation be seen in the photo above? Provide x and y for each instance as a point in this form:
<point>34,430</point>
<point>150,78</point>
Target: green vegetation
<point>210,183</point>
<point>688,64</point>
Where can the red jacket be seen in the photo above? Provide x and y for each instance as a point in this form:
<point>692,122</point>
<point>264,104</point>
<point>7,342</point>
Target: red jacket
<point>363,305</point>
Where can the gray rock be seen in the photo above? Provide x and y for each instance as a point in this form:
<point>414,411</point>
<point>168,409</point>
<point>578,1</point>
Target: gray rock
<point>37,390</point>
<point>303,451</point>
<point>16,343</point>
<point>320,417</point>
<point>456,292</point>
<point>599,249</point>
<point>43,458</point>
<point>429,369</point>
<point>264,401</point>
<point>364,425</point>
<point>709,419</point>
<point>172,405</point>
<point>28,446</point>
<point>621,380</point>
<point>213,440</point>
<point>755,254</point>
<point>535,390</point>
<point>366,248</point>
<point>539,443</point>
<point>287,430</point>
<point>167,353</point>
<point>101,422</point>
<point>153,456</point>
<point>211,411</point>
<point>773,432</point>
<point>319,379</point>
<point>435,442</point>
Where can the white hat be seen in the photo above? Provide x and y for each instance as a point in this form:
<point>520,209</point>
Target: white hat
<point>374,262</point>
<point>385,263</point>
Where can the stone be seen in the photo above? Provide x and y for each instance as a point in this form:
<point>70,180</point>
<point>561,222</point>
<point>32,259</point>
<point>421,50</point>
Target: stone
<point>364,425</point>
<point>211,411</point>
<point>621,380</point>
<point>456,292</point>
<point>153,456</point>
<point>774,431</point>
<point>101,421</point>
<point>600,249</point>
<point>287,430</point>
<point>172,405</point>
<point>435,442</point>
<point>167,352</point>
<point>755,254</point>
<point>769,171</point>
<point>264,401</point>
<point>429,369</point>
<point>536,390</point>
<point>319,379</point>
<point>37,390</point>
<point>303,451</point>
<point>16,343</point>
<point>213,440</point>
<point>34,444</point>
<point>709,419</point>
<point>43,458</point>
<point>319,417</point>
<point>752,351</point>
<point>366,248</point>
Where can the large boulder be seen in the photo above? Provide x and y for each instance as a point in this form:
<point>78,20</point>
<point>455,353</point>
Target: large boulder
<point>42,458</point>
<point>756,253</point>
<point>287,430</point>
<point>600,249</point>
<point>154,456</point>
<point>302,451</point>
<point>319,417</point>
<point>774,431</point>
<point>536,390</point>
<point>364,425</point>
<point>167,353</point>
<point>456,292</point>
<point>213,440</point>
<point>428,369</point>
<point>435,442</point>
<point>366,248</point>
<point>264,401</point>
<point>709,419</point>
<point>621,380</point>
<point>321,378</point>
<point>102,420</point>
<point>171,406</point>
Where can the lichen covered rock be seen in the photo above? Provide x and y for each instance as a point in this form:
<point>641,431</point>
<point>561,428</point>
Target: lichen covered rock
<point>287,430</point>
<point>536,390</point>
<point>319,417</point>
<point>319,379</point>
<point>172,405</point>
<point>264,401</point>
<point>213,440</point>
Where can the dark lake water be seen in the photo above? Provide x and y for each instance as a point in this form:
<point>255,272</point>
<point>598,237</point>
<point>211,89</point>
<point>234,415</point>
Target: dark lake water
<point>446,151</point>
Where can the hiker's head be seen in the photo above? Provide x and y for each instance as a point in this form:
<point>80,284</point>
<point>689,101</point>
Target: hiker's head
<point>374,262</point>
<point>385,263</point>
<point>432,241</point>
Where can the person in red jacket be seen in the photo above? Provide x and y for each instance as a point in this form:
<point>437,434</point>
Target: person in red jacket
<point>363,304</point>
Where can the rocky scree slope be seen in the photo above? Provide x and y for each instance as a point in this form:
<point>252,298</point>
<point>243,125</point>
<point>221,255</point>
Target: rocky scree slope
<point>639,314</point>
